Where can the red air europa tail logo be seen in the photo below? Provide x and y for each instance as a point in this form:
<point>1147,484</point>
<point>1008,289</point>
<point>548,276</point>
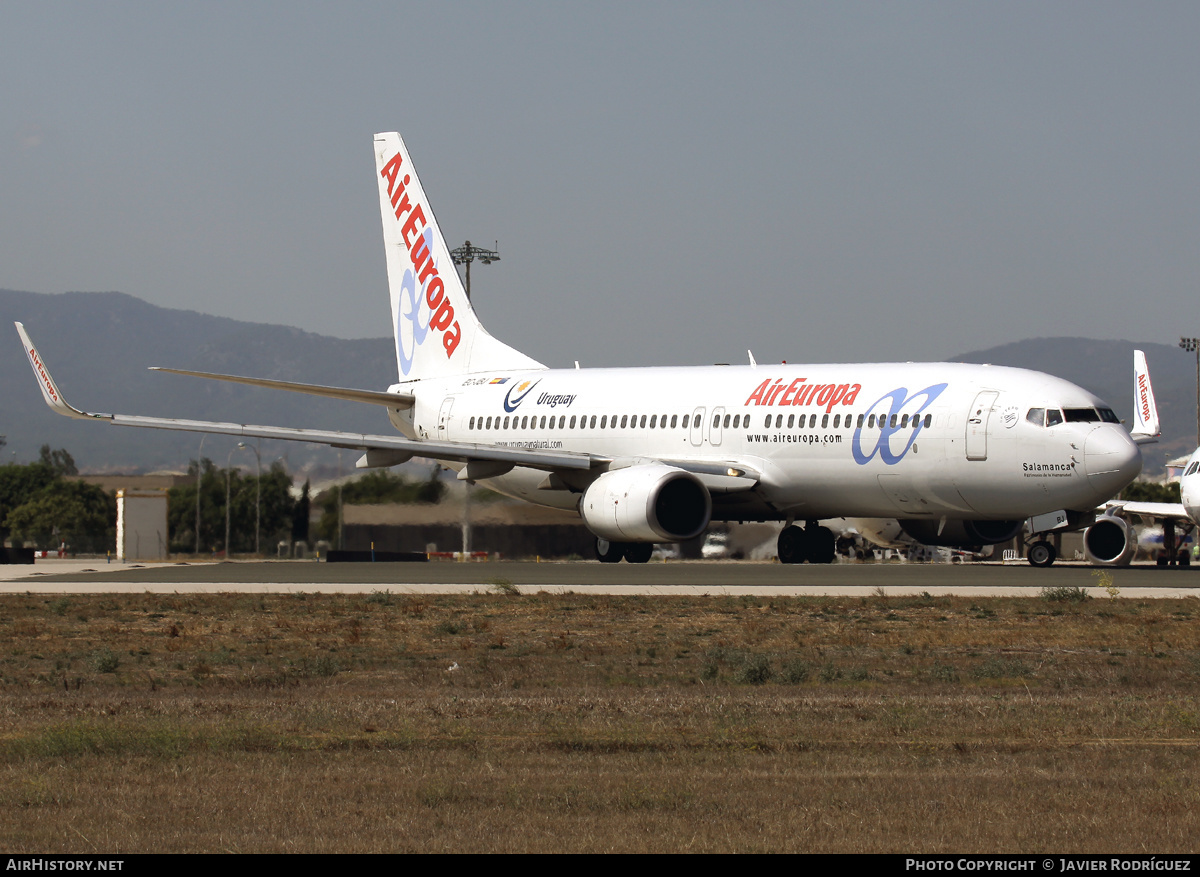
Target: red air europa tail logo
<point>1144,397</point>
<point>413,217</point>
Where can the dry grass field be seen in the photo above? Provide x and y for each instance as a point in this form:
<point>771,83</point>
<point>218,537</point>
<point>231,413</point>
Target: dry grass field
<point>528,722</point>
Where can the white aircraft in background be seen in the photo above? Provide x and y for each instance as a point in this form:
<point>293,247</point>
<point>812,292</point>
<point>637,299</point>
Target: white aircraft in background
<point>961,454</point>
<point>1112,540</point>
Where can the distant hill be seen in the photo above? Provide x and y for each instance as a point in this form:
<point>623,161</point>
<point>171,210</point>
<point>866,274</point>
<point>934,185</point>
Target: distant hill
<point>99,346</point>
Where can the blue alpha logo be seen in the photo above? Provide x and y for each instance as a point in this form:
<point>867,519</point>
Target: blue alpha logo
<point>412,316</point>
<point>887,410</point>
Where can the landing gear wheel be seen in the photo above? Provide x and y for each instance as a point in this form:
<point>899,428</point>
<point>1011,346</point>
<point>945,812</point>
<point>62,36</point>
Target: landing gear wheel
<point>639,552</point>
<point>609,552</point>
<point>822,545</point>
<point>1042,554</point>
<point>793,545</point>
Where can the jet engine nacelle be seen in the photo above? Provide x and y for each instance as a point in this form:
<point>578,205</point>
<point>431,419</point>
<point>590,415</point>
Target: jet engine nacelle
<point>1111,541</point>
<point>650,503</point>
<point>962,534</point>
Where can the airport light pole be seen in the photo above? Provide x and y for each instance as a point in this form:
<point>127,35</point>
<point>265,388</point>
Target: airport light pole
<point>199,481</point>
<point>1192,345</point>
<point>257,494</point>
<point>466,254</point>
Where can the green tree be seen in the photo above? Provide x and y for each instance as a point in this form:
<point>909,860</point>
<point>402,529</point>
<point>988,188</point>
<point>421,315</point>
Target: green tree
<point>60,462</point>
<point>20,483</point>
<point>276,508</point>
<point>80,514</point>
<point>377,487</point>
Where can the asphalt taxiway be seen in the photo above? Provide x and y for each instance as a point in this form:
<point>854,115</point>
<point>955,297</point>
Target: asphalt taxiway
<point>732,578</point>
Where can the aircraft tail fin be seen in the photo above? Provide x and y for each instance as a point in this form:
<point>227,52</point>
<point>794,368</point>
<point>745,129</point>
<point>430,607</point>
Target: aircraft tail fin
<point>436,330</point>
<point>1145,411</point>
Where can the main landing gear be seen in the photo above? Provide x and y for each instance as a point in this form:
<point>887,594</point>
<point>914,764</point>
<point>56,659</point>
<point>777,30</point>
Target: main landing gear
<point>634,552</point>
<point>812,543</point>
<point>1042,553</point>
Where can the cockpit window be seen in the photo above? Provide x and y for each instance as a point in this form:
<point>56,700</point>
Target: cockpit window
<point>1192,469</point>
<point>1081,415</point>
<point>1109,416</point>
<point>1053,417</point>
<point>1036,416</point>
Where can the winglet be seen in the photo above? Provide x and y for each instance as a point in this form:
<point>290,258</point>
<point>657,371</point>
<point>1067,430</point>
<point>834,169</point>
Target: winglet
<point>50,391</point>
<point>1145,411</point>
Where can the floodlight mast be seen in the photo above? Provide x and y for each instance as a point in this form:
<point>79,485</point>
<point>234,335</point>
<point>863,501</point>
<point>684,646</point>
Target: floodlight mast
<point>1192,345</point>
<point>466,254</point>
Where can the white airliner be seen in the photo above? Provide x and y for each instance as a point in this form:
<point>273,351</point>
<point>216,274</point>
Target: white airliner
<point>1112,540</point>
<point>961,454</point>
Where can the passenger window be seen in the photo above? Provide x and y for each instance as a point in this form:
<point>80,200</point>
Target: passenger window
<point>871,422</point>
<point>837,420</point>
<point>726,421</point>
<point>824,420</point>
<point>572,421</point>
<point>624,420</point>
<point>894,416</point>
<point>1053,417</point>
<point>593,423</point>
<point>778,421</point>
<point>928,420</point>
<point>791,420</point>
<point>673,416</point>
<point>685,420</point>
<point>653,420</point>
<point>904,422</point>
<point>604,421</point>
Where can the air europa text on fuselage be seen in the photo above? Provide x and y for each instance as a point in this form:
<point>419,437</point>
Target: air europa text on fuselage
<point>800,393</point>
<point>442,312</point>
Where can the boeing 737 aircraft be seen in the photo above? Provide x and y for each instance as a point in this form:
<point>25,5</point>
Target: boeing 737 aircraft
<point>961,454</point>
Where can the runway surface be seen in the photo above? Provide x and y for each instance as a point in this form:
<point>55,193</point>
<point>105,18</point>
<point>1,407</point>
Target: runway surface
<point>53,576</point>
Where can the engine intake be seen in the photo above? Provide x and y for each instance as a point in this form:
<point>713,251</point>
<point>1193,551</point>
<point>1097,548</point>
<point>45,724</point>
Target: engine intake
<point>1111,541</point>
<point>650,503</point>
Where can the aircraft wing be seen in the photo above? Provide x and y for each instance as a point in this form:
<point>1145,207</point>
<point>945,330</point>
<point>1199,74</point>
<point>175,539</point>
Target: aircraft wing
<point>1161,511</point>
<point>392,449</point>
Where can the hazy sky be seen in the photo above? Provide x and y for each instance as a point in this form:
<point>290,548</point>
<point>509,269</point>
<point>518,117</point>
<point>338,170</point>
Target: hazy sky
<point>670,183</point>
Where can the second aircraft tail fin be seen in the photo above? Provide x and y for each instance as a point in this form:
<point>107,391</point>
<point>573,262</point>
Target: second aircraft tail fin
<point>1145,411</point>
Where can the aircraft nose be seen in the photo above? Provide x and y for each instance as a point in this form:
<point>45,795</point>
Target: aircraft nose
<point>1111,459</point>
